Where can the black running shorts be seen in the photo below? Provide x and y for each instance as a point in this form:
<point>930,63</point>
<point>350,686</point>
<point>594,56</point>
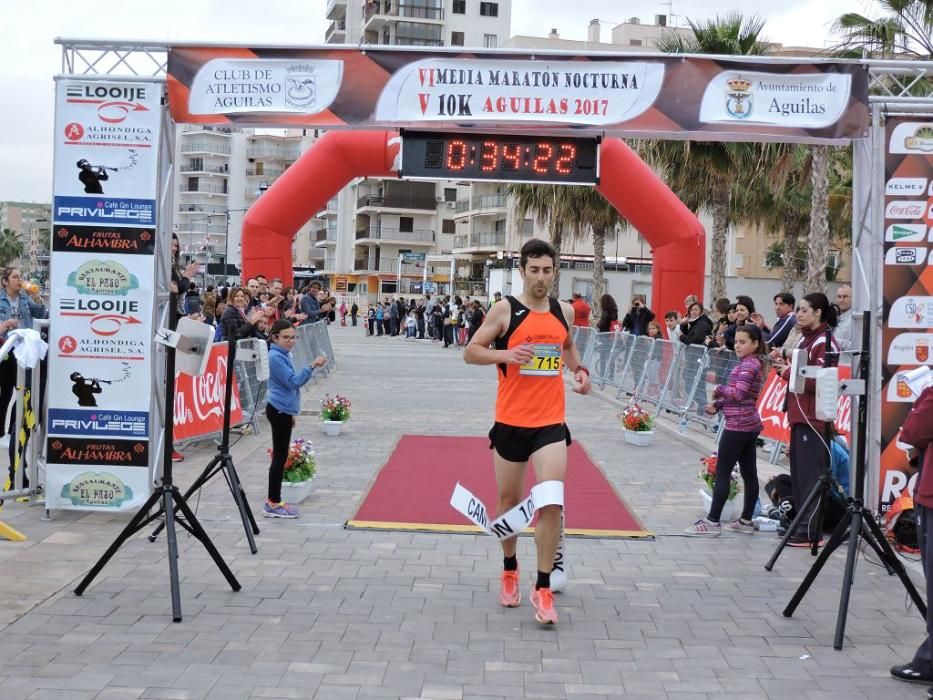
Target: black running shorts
<point>518,444</point>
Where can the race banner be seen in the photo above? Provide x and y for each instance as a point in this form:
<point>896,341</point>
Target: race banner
<point>199,401</point>
<point>102,279</point>
<point>907,281</point>
<point>614,94</point>
<point>774,417</point>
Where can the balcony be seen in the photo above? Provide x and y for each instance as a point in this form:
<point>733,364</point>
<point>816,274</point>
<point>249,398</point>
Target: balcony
<point>205,189</point>
<point>264,172</point>
<point>336,9</point>
<point>202,227</point>
<point>491,239</point>
<point>387,266</point>
<point>382,12</point>
<point>214,148</point>
<point>207,169</point>
<point>330,208</point>
<point>201,208</point>
<point>482,202</point>
<point>393,235</point>
<point>336,32</point>
<point>269,152</point>
<point>374,201</point>
<point>326,237</point>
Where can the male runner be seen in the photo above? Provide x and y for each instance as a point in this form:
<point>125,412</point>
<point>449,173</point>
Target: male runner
<point>532,344</point>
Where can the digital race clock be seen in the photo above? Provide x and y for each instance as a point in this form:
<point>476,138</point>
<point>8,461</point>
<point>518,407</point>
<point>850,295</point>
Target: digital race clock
<point>519,158</point>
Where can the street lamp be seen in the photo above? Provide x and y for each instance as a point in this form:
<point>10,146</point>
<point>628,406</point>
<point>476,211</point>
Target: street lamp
<point>226,214</point>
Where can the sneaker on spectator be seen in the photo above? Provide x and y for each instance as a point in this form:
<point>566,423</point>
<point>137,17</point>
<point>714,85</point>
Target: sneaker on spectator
<point>801,542</point>
<point>543,600</point>
<point>738,525</point>
<point>509,595</point>
<point>279,510</point>
<point>177,456</point>
<point>704,528</point>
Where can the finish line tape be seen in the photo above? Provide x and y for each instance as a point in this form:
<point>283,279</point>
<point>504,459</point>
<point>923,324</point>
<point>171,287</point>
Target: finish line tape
<point>514,521</point>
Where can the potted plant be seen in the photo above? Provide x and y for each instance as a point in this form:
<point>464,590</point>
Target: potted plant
<point>638,424</point>
<point>300,468</point>
<point>334,412</point>
<point>708,476</point>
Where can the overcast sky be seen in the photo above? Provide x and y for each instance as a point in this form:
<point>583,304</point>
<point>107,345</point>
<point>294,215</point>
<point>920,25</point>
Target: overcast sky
<point>29,59</point>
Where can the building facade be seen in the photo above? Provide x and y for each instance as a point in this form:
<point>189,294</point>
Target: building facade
<point>31,220</point>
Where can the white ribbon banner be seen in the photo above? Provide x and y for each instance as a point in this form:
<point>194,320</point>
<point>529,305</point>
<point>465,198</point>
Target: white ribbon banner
<point>514,521</point>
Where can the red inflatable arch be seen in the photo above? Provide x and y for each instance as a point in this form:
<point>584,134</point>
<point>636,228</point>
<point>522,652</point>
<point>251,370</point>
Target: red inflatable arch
<point>674,233</point>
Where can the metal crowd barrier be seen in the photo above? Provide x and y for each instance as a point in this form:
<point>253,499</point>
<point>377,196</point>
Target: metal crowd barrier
<point>673,377</point>
<point>314,340</point>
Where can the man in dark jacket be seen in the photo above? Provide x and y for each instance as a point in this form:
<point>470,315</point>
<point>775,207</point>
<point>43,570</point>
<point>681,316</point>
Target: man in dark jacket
<point>638,317</point>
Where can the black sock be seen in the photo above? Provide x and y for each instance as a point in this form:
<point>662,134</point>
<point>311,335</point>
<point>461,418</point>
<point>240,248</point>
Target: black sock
<point>544,580</point>
<point>510,563</point>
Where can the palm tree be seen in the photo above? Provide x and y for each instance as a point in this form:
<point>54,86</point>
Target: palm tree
<point>12,247</point>
<point>818,241</point>
<point>703,174</point>
<point>550,205</point>
<point>595,214</point>
<point>906,30</point>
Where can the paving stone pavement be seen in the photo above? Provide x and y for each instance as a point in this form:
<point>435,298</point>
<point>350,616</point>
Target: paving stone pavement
<point>330,613</point>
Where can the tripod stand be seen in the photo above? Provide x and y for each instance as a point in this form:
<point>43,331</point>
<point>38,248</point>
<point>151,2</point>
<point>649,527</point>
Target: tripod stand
<point>223,463</point>
<point>169,500</point>
<point>857,521</point>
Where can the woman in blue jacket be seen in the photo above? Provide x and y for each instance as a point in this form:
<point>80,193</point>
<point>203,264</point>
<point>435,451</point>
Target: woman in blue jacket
<point>282,405</point>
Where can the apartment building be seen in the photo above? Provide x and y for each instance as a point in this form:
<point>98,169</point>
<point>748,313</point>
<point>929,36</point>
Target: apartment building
<point>220,172</point>
<point>376,230</point>
<point>31,220</point>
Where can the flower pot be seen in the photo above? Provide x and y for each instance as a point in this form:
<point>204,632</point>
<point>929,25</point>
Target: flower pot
<point>333,427</point>
<point>296,492</point>
<point>728,510</point>
<point>641,438</point>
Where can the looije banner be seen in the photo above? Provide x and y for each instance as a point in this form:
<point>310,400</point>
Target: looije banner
<point>907,281</point>
<point>102,281</point>
<point>616,94</point>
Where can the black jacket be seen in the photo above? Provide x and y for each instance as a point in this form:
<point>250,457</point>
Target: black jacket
<point>695,332</point>
<point>637,320</point>
<point>233,325</point>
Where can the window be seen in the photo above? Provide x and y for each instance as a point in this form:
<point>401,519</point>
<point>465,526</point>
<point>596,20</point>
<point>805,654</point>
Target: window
<point>450,194</point>
<point>634,42</point>
<point>456,38</point>
<point>739,260</point>
<point>490,41</point>
<point>833,259</point>
<point>406,224</point>
<point>448,226</point>
<point>489,9</point>
<point>459,7</point>
<point>526,227</point>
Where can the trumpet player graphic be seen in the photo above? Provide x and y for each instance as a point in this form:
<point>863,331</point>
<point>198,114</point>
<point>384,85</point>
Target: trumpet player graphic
<point>91,176</point>
<point>85,389</point>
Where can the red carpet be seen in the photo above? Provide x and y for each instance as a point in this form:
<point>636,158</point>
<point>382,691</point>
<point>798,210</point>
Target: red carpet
<point>412,491</point>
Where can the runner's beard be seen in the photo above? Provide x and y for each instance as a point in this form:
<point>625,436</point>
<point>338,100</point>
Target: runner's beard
<point>539,291</point>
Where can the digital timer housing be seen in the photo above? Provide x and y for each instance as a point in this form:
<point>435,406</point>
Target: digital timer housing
<point>504,157</point>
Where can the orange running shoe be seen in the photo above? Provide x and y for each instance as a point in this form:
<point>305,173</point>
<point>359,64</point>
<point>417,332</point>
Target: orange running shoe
<point>543,600</point>
<point>509,595</point>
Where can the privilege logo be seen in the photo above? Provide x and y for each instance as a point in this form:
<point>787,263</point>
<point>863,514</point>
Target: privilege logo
<point>906,233</point>
<point>105,210</point>
<point>99,423</point>
<point>905,186</point>
<point>905,209</point>
<point>103,277</point>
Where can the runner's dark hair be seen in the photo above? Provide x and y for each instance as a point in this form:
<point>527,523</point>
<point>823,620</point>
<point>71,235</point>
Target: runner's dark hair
<point>536,248</point>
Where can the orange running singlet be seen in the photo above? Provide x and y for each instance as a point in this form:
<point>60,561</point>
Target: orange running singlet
<point>532,395</point>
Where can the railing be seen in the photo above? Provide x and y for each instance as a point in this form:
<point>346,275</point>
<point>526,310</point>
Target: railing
<point>206,147</point>
<point>483,201</point>
<point>264,172</point>
<point>199,187</point>
<point>332,5</point>
<point>216,169</point>
<point>201,227</point>
<point>396,202</point>
<point>327,234</point>
<point>338,25</point>
<point>479,240</point>
<point>394,234</point>
<point>192,208</point>
<point>273,153</point>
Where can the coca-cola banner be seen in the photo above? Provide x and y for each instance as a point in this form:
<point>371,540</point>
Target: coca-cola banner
<point>907,283</point>
<point>774,418</point>
<point>615,93</point>
<point>199,401</point>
